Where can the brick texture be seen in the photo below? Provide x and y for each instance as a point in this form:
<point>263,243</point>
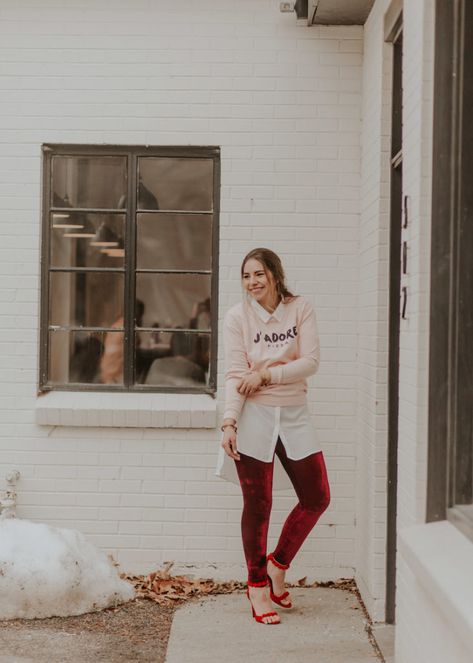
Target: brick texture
<point>373,298</point>
<point>283,102</point>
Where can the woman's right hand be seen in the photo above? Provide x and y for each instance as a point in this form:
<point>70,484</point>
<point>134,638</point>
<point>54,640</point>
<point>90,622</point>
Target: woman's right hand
<point>229,443</point>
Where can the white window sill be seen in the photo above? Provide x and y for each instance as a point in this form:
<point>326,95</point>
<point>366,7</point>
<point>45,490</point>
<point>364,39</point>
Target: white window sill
<point>67,408</point>
<point>440,556</point>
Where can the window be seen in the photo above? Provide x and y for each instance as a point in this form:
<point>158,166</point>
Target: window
<point>129,268</point>
<point>450,470</point>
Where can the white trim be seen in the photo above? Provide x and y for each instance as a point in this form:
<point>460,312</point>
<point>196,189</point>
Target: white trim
<point>66,408</point>
<point>440,557</point>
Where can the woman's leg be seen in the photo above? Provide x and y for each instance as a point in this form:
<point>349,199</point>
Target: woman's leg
<point>256,479</point>
<point>309,478</point>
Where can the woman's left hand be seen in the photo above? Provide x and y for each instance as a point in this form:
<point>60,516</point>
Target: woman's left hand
<point>250,383</point>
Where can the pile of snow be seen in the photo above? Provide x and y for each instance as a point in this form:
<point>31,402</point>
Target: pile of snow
<point>53,572</point>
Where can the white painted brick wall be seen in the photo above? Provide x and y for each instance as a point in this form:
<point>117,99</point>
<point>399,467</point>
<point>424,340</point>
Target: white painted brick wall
<point>374,295</point>
<point>424,634</point>
<point>373,298</point>
<point>436,636</point>
<point>283,102</point>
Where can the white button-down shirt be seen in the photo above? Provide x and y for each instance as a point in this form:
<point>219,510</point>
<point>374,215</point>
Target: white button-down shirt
<point>260,426</point>
<point>266,315</point>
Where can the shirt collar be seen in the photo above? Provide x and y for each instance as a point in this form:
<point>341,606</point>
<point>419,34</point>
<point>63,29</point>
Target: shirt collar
<point>264,315</point>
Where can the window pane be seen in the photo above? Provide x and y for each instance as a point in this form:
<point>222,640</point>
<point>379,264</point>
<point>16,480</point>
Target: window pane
<point>175,300</point>
<point>87,240</point>
<point>172,241</point>
<point>86,299</point>
<point>86,357</point>
<point>177,359</point>
<point>80,181</point>
<point>175,183</point>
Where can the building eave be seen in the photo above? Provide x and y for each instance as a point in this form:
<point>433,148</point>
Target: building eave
<point>333,12</point>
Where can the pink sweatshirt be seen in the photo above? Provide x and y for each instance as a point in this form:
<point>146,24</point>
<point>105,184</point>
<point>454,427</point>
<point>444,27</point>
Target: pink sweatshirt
<point>286,342</point>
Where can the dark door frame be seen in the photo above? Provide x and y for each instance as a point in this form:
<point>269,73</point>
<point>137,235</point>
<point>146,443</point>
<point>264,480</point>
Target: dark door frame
<point>398,219</point>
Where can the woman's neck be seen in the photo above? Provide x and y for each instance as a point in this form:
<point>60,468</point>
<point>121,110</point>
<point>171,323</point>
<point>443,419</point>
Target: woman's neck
<point>271,306</point>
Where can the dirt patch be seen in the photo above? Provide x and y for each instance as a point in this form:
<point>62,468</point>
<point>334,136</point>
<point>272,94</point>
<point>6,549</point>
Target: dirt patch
<point>137,631</point>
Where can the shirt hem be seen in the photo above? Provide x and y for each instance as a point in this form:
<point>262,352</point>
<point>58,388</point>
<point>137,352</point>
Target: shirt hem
<point>278,401</point>
<point>270,460</point>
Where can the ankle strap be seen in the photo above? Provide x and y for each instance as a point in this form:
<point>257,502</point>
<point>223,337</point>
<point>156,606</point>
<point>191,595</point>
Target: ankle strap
<point>276,563</point>
<point>263,583</point>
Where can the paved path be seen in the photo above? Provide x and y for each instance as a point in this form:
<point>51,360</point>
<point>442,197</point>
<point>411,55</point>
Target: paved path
<point>325,626</point>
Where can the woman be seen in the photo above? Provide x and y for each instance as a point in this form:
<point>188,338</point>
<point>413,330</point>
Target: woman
<point>271,346</point>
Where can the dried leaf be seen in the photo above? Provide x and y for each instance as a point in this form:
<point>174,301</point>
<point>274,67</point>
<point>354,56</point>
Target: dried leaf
<point>161,587</point>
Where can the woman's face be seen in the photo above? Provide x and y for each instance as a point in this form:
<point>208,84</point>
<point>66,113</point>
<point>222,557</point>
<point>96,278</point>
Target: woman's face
<point>259,283</point>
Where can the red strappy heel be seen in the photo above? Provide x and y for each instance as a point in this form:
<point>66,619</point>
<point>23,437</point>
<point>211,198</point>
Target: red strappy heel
<point>278,598</point>
<point>259,618</point>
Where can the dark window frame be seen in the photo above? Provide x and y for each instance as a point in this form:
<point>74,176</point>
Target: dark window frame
<point>133,152</point>
<point>450,471</point>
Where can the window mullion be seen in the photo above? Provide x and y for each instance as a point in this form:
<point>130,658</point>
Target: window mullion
<point>46,261</point>
<point>130,260</point>
<point>214,277</point>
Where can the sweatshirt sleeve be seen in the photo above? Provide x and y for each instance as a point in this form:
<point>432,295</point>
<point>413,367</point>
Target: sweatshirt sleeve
<point>236,365</point>
<point>309,350</point>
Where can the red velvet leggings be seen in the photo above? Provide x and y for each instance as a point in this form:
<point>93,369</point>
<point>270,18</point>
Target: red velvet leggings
<point>309,478</point>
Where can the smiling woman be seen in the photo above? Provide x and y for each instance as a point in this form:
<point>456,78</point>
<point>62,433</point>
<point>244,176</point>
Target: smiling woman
<point>263,278</point>
<point>271,347</point>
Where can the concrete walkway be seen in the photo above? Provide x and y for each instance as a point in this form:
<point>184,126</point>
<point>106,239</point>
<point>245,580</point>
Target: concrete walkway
<point>325,626</point>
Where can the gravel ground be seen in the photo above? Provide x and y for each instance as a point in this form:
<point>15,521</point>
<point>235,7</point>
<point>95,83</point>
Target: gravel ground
<point>137,631</point>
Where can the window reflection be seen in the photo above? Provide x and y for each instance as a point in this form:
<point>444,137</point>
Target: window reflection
<point>87,240</point>
<point>88,181</point>
<point>175,300</point>
<point>146,199</point>
<point>111,361</point>
<point>172,359</point>
<point>175,183</point>
<point>172,241</point>
<point>86,299</point>
<point>84,357</point>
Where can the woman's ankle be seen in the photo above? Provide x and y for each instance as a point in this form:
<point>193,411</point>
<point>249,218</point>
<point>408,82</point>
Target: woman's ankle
<point>280,565</point>
<point>257,583</point>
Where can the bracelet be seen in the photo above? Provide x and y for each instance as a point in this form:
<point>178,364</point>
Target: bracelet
<point>222,428</point>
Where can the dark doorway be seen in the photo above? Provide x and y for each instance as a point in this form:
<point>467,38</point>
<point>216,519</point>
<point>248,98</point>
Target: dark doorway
<point>397,309</point>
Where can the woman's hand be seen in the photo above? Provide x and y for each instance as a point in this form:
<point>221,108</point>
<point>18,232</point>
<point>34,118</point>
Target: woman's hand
<point>250,383</point>
<point>229,442</point>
